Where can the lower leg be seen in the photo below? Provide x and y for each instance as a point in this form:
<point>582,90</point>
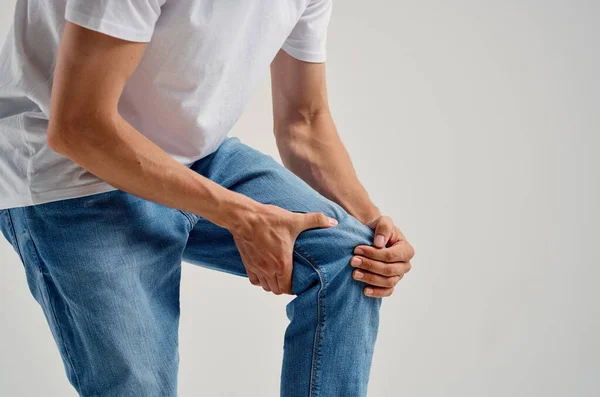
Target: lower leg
<point>330,340</point>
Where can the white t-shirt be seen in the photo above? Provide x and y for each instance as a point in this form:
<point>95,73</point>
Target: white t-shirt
<point>202,63</point>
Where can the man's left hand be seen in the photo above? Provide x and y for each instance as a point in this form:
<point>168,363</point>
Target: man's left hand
<point>382,266</point>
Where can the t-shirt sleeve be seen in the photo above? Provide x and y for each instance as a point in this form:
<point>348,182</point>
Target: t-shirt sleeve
<point>131,20</point>
<point>307,40</point>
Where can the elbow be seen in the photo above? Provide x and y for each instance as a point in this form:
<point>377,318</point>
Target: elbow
<point>61,127</point>
<point>69,136</point>
<point>66,139</point>
<point>58,137</point>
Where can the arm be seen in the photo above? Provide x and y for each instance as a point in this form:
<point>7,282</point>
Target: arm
<point>85,126</point>
<point>310,147</point>
<point>307,139</point>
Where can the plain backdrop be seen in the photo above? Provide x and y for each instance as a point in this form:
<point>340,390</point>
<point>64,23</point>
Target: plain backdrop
<point>474,124</point>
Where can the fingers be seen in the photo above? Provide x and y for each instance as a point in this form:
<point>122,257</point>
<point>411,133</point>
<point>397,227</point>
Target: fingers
<point>381,268</point>
<point>264,283</point>
<point>381,275</point>
<point>283,277</point>
<point>375,279</point>
<point>285,283</point>
<point>383,231</point>
<point>253,278</point>
<point>314,220</point>
<point>402,251</point>
<point>276,283</point>
<point>378,292</point>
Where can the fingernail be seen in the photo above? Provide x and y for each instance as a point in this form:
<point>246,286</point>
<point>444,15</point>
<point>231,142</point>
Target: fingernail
<point>379,240</point>
<point>333,222</point>
<point>359,251</point>
<point>355,261</point>
<point>358,274</point>
<point>368,291</point>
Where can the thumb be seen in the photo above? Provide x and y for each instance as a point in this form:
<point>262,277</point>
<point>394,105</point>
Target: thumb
<point>383,231</point>
<point>315,220</point>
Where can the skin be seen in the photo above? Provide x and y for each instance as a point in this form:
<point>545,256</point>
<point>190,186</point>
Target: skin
<point>85,126</point>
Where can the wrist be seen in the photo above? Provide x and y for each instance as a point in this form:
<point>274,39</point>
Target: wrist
<point>237,215</point>
<point>223,207</point>
<point>368,215</point>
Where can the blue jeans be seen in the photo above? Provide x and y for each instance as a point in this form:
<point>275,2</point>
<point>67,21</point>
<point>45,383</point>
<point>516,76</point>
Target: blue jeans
<point>106,271</point>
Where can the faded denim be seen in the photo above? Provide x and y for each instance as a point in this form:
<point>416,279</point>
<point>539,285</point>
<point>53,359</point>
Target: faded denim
<point>106,271</point>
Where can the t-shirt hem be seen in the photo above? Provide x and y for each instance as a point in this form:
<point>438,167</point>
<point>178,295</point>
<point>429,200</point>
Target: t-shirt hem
<point>54,195</point>
<point>108,28</point>
<point>304,55</point>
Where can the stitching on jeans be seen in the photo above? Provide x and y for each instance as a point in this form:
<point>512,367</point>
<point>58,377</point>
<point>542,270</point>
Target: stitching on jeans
<point>14,235</point>
<point>189,218</point>
<point>320,321</point>
<point>52,309</point>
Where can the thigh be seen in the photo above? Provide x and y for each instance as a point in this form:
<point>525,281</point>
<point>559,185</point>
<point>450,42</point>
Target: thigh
<point>247,171</point>
<point>106,270</point>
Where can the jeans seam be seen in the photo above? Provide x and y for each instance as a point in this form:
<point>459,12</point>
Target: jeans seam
<point>14,235</point>
<point>53,311</point>
<point>189,218</point>
<point>320,321</point>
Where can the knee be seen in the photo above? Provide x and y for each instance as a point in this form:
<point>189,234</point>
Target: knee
<point>329,250</point>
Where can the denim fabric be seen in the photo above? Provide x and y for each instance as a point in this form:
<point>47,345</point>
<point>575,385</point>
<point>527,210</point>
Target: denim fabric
<point>106,271</point>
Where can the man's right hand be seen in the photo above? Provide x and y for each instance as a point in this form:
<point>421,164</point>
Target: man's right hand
<point>265,240</point>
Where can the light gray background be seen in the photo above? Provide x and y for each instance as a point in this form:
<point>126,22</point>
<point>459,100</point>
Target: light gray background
<point>474,124</point>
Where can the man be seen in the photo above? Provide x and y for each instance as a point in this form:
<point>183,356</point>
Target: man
<point>116,166</point>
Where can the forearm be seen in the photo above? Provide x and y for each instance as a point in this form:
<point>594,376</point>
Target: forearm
<point>313,151</point>
<point>115,152</point>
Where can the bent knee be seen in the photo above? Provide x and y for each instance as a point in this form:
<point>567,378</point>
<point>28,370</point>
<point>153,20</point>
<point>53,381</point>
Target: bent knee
<point>330,250</point>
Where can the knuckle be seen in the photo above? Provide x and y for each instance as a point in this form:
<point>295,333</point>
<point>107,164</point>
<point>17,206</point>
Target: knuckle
<point>408,267</point>
<point>410,252</point>
<point>319,218</point>
<point>388,256</point>
<point>405,256</point>
<point>279,266</point>
<point>388,270</point>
